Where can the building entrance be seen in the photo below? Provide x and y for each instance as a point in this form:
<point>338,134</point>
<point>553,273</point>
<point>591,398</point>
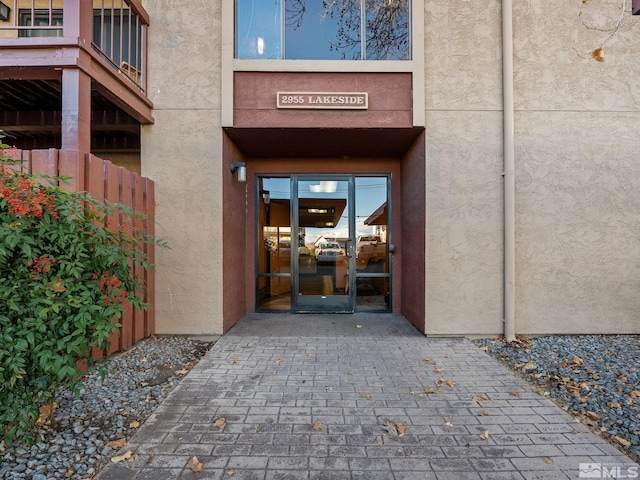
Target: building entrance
<point>323,243</point>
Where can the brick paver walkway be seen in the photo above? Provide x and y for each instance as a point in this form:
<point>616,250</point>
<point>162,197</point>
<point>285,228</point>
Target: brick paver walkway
<point>310,397</point>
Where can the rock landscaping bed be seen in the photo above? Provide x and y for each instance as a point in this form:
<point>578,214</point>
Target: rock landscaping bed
<point>86,431</point>
<point>594,377</point>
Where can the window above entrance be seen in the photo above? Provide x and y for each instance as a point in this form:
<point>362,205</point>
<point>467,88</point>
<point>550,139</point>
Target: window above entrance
<point>323,29</point>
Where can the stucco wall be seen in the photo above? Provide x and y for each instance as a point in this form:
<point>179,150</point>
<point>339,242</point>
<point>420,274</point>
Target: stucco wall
<point>182,153</point>
<point>577,173</point>
<point>463,94</point>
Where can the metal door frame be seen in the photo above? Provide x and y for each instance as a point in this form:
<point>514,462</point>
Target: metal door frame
<point>321,304</point>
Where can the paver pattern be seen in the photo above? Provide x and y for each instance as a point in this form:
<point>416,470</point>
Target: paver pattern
<point>362,396</point>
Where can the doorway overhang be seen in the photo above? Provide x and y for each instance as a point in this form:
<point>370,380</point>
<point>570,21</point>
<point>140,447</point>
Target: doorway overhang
<point>323,142</point>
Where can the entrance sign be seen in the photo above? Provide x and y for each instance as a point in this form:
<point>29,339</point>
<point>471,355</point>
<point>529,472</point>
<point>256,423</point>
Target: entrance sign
<point>324,100</point>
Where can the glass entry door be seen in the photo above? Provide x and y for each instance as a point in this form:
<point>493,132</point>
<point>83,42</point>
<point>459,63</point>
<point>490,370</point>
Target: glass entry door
<point>323,243</point>
<point>323,219</point>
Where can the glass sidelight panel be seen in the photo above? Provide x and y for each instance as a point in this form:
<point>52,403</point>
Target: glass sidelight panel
<point>274,244</point>
<point>372,244</point>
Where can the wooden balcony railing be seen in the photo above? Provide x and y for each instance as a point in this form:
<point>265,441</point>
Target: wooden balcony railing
<point>117,31</point>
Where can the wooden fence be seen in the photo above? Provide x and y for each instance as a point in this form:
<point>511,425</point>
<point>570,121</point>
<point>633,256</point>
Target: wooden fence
<point>106,181</point>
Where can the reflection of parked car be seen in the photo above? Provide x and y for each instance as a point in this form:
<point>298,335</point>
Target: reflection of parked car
<point>328,252</point>
<point>370,250</point>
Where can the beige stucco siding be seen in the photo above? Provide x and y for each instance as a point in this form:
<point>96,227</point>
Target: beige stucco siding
<point>577,173</point>
<point>577,169</point>
<point>463,88</point>
<point>182,153</point>
<point>578,222</point>
<point>577,146</point>
<point>464,223</point>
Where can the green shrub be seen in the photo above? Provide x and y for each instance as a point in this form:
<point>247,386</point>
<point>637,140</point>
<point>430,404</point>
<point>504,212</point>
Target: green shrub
<point>66,277</point>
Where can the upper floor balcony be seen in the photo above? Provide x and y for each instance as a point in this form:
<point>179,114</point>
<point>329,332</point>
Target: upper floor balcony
<point>73,73</point>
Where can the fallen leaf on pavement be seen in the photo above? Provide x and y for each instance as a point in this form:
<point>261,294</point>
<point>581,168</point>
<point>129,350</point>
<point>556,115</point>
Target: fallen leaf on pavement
<point>514,393</point>
<point>446,381</point>
<point>485,435</point>
<point>484,412</point>
<point>231,471</point>
<point>134,424</point>
<point>390,427</point>
<point>220,423</point>
<point>318,426</point>
<point>429,390</point>
<point>401,427</point>
<point>429,361</point>
<point>120,458</point>
<point>195,465</point>
<point>236,362</point>
<point>358,326</point>
<point>548,460</point>
<point>478,399</point>
<point>279,360</point>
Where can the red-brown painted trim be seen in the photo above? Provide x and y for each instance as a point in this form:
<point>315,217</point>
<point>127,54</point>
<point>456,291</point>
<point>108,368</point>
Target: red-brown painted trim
<point>255,100</point>
<point>276,166</point>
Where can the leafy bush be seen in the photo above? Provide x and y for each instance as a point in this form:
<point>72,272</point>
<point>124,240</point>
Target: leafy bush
<point>66,277</point>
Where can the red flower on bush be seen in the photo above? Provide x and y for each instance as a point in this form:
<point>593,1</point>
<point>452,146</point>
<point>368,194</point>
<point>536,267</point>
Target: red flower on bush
<point>112,291</point>
<point>26,198</point>
<point>41,265</point>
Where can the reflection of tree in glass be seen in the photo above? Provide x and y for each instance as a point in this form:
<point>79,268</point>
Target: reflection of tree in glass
<point>294,12</point>
<point>387,29</point>
<point>387,26</point>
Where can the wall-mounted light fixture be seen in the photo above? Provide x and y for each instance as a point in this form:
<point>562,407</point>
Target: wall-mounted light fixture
<point>4,11</point>
<point>266,196</point>
<point>241,169</point>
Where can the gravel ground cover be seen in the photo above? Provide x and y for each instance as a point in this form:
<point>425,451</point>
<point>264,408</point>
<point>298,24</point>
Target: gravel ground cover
<point>76,444</point>
<point>594,377</point>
